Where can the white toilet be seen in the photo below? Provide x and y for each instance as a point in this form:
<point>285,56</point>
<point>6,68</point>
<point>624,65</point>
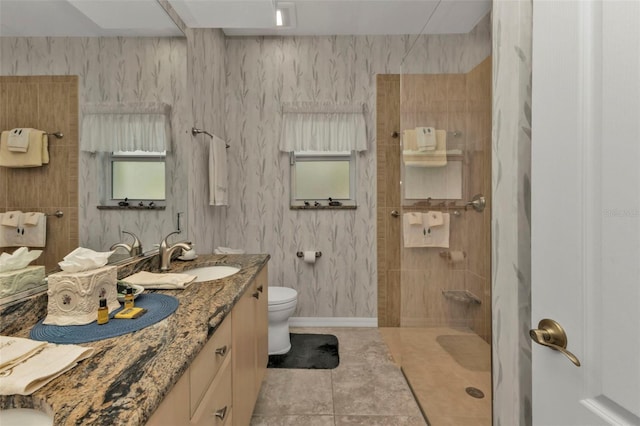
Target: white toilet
<point>282,304</point>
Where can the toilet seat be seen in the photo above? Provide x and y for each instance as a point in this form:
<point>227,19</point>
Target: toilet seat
<point>281,295</point>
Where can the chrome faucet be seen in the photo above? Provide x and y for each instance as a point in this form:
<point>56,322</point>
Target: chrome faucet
<point>135,249</point>
<point>165,251</point>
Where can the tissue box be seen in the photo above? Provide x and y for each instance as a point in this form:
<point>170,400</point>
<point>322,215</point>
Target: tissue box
<point>13,282</point>
<point>74,297</point>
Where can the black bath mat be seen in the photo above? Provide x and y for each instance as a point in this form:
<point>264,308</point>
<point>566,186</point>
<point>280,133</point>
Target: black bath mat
<point>315,351</point>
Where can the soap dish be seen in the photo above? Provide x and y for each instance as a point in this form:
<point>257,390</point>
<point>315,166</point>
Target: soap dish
<point>137,291</point>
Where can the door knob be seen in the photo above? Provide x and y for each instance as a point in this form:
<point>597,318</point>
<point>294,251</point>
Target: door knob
<point>551,334</point>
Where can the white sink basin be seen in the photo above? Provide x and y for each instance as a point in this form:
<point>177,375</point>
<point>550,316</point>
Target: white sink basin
<point>24,417</point>
<point>208,273</point>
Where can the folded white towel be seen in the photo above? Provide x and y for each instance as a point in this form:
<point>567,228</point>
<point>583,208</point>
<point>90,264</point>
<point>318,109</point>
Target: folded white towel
<point>411,156</point>
<point>227,250</point>
<point>426,138</point>
<point>424,236</point>
<point>38,366</point>
<point>435,219</point>
<point>19,140</point>
<point>14,350</point>
<point>151,280</point>
<point>11,219</point>
<point>32,218</point>
<point>218,180</point>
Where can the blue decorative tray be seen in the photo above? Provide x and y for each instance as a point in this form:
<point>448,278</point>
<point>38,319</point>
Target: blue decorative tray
<point>158,306</point>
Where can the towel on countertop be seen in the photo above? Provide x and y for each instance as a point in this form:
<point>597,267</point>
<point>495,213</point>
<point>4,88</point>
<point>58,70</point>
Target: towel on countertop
<point>36,155</point>
<point>218,184</point>
<point>150,280</point>
<point>426,139</point>
<point>30,365</point>
<point>436,158</point>
<point>425,236</point>
<point>18,140</point>
<point>11,219</point>
<point>228,250</point>
<point>435,219</point>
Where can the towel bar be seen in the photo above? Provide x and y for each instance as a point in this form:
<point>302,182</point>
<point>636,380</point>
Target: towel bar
<point>195,132</point>
<point>58,135</point>
<point>57,214</point>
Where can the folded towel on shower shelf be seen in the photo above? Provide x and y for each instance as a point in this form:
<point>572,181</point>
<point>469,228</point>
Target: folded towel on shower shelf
<point>36,155</point>
<point>18,140</point>
<point>218,180</point>
<point>411,156</point>
<point>426,139</point>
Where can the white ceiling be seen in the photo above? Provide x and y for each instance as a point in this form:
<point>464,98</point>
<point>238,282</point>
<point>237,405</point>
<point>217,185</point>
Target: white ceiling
<point>238,17</point>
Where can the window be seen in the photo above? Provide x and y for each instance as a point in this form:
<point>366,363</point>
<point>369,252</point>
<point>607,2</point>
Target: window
<point>317,176</point>
<point>137,175</point>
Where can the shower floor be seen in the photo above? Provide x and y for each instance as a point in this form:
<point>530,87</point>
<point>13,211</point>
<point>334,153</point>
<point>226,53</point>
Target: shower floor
<point>439,364</point>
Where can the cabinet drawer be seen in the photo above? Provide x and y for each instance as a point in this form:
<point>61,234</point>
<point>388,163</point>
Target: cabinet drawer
<point>208,362</point>
<point>215,407</point>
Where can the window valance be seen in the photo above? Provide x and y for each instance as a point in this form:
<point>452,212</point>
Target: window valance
<point>308,126</point>
<point>126,127</point>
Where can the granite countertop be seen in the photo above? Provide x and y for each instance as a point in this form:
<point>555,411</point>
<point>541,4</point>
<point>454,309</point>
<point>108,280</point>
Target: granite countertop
<point>128,376</point>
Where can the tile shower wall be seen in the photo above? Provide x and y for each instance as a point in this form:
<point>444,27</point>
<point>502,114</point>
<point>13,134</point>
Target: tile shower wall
<point>264,72</point>
<point>115,70</point>
<point>511,228</point>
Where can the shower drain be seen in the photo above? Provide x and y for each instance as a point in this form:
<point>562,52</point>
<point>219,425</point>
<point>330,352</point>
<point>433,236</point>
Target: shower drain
<point>475,392</point>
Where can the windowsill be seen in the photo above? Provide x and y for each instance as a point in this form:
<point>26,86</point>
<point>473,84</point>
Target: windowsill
<point>131,207</point>
<point>323,207</point>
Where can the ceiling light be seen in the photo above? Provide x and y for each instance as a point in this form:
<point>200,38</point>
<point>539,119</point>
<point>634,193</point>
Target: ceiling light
<point>285,15</point>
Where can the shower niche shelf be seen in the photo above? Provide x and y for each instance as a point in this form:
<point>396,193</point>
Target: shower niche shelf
<point>462,296</point>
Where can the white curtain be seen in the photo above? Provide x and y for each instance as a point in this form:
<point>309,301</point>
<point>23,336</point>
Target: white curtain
<point>126,127</point>
<point>308,126</point>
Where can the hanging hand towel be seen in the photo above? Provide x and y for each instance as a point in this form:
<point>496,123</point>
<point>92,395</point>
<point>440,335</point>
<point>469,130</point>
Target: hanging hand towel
<point>11,219</point>
<point>218,172</point>
<point>18,140</point>
<point>415,218</point>
<point>32,218</point>
<point>424,236</point>
<point>33,235</point>
<point>36,155</point>
<point>435,219</point>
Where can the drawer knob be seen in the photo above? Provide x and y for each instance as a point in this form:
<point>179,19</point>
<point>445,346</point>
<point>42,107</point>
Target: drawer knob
<point>256,295</point>
<point>260,288</point>
<point>221,413</point>
<point>222,351</point>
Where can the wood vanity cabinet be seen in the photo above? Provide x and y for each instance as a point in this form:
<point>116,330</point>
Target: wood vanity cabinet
<point>222,384</point>
<point>250,348</point>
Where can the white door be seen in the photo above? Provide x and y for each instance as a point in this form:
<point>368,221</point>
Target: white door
<point>586,209</point>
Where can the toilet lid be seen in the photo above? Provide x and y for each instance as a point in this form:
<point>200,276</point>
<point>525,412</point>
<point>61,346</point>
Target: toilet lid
<point>278,295</point>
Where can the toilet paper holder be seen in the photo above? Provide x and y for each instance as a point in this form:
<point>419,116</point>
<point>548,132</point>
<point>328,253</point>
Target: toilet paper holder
<point>301,254</point>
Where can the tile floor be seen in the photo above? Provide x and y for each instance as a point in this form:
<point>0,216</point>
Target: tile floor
<point>439,364</point>
<point>367,388</point>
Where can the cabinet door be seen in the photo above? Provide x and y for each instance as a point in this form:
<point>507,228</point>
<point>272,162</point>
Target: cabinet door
<point>262,327</point>
<point>243,320</point>
<point>174,409</point>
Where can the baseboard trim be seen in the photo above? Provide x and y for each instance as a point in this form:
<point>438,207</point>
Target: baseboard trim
<point>333,322</point>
